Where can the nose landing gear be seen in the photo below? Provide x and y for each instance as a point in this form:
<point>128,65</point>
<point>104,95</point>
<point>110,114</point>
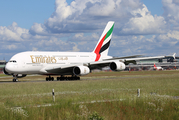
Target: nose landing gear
<point>15,78</point>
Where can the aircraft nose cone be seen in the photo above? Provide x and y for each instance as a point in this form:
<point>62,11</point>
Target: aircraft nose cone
<point>9,68</point>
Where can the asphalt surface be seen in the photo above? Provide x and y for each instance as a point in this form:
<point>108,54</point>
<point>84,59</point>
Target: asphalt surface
<point>9,80</point>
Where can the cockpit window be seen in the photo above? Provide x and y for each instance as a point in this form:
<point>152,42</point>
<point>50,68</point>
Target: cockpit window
<point>14,61</point>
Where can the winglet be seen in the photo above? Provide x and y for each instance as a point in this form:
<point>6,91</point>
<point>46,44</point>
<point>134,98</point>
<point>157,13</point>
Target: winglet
<point>174,55</point>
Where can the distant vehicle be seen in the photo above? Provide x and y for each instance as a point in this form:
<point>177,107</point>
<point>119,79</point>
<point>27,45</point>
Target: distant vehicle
<point>157,68</point>
<point>69,63</point>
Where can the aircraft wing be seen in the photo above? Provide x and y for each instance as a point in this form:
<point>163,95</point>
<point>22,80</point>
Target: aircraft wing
<point>133,60</point>
<point>126,61</point>
<point>63,70</point>
<point>68,69</point>
<point>134,56</point>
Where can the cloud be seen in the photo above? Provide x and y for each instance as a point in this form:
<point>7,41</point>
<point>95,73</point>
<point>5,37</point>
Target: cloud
<point>171,8</point>
<point>34,49</point>
<point>10,47</point>
<point>144,23</point>
<point>105,8</point>
<point>85,15</point>
<point>54,44</point>
<point>79,35</point>
<point>75,49</point>
<point>174,34</point>
<point>78,26</point>
<point>12,33</point>
<point>39,29</point>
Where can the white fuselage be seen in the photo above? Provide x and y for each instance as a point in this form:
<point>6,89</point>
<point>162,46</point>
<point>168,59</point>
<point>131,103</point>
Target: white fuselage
<point>37,62</point>
<point>158,68</point>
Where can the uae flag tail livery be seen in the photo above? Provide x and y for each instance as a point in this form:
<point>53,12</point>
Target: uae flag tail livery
<point>102,47</point>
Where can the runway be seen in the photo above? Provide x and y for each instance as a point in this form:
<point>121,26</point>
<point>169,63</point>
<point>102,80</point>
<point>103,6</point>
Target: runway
<point>9,79</point>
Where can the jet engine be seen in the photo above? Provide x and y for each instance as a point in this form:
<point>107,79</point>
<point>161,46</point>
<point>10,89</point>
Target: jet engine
<point>81,70</point>
<point>117,66</point>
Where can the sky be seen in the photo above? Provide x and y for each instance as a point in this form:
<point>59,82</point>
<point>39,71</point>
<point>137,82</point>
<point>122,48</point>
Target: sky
<point>142,27</point>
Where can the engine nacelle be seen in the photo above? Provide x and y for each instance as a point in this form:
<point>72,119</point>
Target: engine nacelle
<point>117,66</point>
<point>81,70</point>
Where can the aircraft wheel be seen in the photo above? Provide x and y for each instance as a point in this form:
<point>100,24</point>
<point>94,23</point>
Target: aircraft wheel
<point>14,80</point>
<point>61,78</point>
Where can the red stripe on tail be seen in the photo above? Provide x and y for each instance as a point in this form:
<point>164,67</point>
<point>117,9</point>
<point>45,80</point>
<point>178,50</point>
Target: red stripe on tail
<point>98,48</point>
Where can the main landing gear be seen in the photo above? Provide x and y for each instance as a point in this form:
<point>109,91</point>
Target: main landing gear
<point>62,78</point>
<point>49,78</point>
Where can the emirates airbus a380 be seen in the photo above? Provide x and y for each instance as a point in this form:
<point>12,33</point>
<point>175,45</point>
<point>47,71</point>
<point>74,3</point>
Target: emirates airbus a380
<point>68,63</point>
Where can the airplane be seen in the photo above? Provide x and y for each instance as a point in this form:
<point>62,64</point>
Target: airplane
<point>157,68</point>
<point>74,64</point>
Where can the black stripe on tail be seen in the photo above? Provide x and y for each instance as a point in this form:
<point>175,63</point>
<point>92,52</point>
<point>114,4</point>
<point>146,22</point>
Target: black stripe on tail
<point>104,47</point>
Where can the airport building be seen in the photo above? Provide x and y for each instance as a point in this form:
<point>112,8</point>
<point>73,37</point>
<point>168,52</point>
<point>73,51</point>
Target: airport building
<point>2,65</point>
<point>168,63</point>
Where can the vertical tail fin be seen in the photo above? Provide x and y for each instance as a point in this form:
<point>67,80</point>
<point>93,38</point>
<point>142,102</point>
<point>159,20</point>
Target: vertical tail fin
<point>155,66</point>
<point>102,46</point>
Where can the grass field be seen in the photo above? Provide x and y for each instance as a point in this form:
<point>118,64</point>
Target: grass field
<point>111,95</point>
